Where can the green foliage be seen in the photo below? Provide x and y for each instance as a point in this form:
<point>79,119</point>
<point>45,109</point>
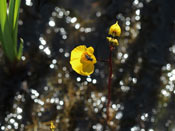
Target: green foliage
<point>9,14</point>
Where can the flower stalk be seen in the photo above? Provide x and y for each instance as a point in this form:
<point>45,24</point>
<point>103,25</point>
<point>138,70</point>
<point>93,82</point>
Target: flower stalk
<point>109,81</point>
<point>114,31</point>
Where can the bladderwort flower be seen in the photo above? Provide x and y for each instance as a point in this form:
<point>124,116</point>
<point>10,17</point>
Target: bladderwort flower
<point>113,41</point>
<point>115,30</point>
<point>82,60</point>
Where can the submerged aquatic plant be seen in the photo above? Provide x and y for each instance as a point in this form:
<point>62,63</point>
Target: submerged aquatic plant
<point>83,60</point>
<point>9,14</point>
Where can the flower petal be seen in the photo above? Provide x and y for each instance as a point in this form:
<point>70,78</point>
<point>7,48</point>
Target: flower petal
<point>82,60</point>
<point>87,69</point>
<point>76,66</point>
<point>90,50</point>
<point>115,30</point>
<point>77,52</point>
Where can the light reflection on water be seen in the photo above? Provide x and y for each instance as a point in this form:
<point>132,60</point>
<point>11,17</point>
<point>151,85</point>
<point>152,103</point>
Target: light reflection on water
<point>64,92</point>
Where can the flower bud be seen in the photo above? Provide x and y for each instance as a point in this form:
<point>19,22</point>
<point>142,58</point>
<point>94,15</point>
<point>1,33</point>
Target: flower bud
<point>115,30</point>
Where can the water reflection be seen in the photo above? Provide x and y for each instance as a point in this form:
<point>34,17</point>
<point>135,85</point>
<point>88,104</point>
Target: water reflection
<point>143,88</point>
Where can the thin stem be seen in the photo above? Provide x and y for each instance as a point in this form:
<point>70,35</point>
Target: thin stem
<point>109,82</point>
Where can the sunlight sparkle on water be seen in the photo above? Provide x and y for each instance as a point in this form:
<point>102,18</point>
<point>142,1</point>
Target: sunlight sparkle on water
<point>52,23</point>
<point>73,20</point>
<point>135,128</point>
<point>47,51</point>
<point>119,115</point>
<point>19,110</point>
<point>51,66</point>
<point>144,116</point>
<point>23,58</point>
<point>94,81</point>
<point>42,41</point>
<point>78,79</point>
<point>29,3</point>
<point>77,25</point>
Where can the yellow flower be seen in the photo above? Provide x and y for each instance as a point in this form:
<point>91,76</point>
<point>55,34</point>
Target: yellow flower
<point>112,40</point>
<point>115,30</point>
<point>82,60</point>
<point>52,126</point>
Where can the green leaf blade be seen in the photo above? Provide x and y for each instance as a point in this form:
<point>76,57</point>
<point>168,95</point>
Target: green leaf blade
<point>20,49</point>
<point>3,14</point>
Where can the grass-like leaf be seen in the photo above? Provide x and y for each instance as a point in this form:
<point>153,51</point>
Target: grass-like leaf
<point>20,49</point>
<point>9,29</point>
<point>5,33</point>
<point>15,20</point>
<point>3,14</point>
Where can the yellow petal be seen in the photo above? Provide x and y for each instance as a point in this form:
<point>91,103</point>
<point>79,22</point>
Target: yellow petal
<point>77,52</point>
<point>115,30</point>
<point>112,40</point>
<point>82,69</point>
<point>76,66</point>
<point>87,69</point>
<point>90,50</point>
<point>82,60</point>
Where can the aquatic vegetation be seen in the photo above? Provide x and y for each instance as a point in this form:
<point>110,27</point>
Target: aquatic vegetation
<point>9,14</point>
<point>140,96</point>
<point>82,60</point>
<point>115,31</point>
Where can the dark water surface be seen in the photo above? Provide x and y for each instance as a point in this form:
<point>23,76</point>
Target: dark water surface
<point>43,88</point>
